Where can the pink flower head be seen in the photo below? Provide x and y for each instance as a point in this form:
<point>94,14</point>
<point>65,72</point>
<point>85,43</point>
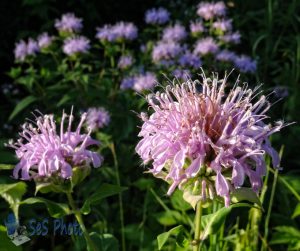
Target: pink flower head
<point>97,118</point>
<point>201,136</point>
<point>43,152</point>
<point>208,10</point>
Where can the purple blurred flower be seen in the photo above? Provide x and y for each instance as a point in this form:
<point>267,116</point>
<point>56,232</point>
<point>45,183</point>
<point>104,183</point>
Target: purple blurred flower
<point>20,50</point>
<point>157,16</point>
<point>223,25</point>
<point>74,45</point>
<point>174,33</point>
<point>44,40</point>
<point>125,61</point>
<point>210,10</point>
<point>245,64</point>
<point>226,55</point>
<point>119,31</point>
<point>145,81</point>
<point>32,47</point>
<point>234,38</point>
<point>69,23</point>
<point>182,74</point>
<point>281,91</point>
<point>165,50</point>
<point>206,46</point>
<point>127,83</point>
<point>97,118</point>
<point>197,27</point>
<point>188,59</point>
<point>43,152</point>
<point>207,140</point>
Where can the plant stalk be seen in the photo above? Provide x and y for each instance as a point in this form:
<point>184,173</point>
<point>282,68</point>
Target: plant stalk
<point>197,241</point>
<point>78,216</point>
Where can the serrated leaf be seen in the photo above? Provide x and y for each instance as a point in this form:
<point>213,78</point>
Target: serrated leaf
<point>245,194</point>
<point>104,191</point>
<point>56,210</point>
<point>163,238</point>
<point>21,106</point>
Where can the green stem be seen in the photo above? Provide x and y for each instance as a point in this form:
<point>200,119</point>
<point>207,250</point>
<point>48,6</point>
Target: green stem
<point>78,216</point>
<point>198,217</point>
<point>270,208</point>
<point>113,151</point>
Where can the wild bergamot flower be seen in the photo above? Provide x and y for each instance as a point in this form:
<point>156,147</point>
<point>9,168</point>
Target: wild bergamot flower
<point>44,152</point>
<point>202,137</point>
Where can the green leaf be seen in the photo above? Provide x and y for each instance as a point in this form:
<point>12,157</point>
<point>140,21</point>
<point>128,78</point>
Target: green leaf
<point>296,211</point>
<point>163,238</point>
<point>21,106</point>
<point>13,193</point>
<point>54,186</point>
<point>178,202</point>
<point>79,174</point>
<point>64,99</point>
<point>190,198</point>
<point>6,167</point>
<point>245,194</point>
<point>56,210</point>
<point>15,72</point>
<point>104,242</point>
<point>6,243</point>
<point>286,235</point>
<point>169,218</point>
<point>212,223</point>
<point>104,191</point>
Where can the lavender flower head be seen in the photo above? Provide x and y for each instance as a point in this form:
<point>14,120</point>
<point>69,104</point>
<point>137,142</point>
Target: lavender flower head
<point>188,59</point>
<point>245,64</point>
<point>234,38</point>
<point>125,61</point>
<point>197,27</point>
<point>194,137</point>
<point>174,33</point>
<point>117,32</point>
<point>44,40</point>
<point>206,46</point>
<point>43,152</point>
<point>225,55</point>
<point>32,47</point>
<point>165,50</point>
<point>182,74</point>
<point>208,10</point>
<point>97,118</point>
<point>20,50</point>
<point>144,81</point>
<point>127,83</point>
<point>69,23</point>
<point>157,16</point>
<point>223,25</point>
<point>75,45</point>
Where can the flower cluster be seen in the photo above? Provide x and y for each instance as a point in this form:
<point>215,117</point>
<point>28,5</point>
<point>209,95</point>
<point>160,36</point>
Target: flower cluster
<point>202,138</point>
<point>211,10</point>
<point>118,32</point>
<point>43,152</point>
<point>77,44</point>
<point>125,61</point>
<point>97,118</point>
<point>23,49</point>
<point>174,33</point>
<point>44,40</point>
<point>69,23</point>
<point>157,16</point>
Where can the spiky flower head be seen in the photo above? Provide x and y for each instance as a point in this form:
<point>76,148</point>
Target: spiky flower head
<point>203,137</point>
<point>44,152</point>
<point>97,118</point>
<point>69,23</point>
<point>208,10</point>
<point>165,50</point>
